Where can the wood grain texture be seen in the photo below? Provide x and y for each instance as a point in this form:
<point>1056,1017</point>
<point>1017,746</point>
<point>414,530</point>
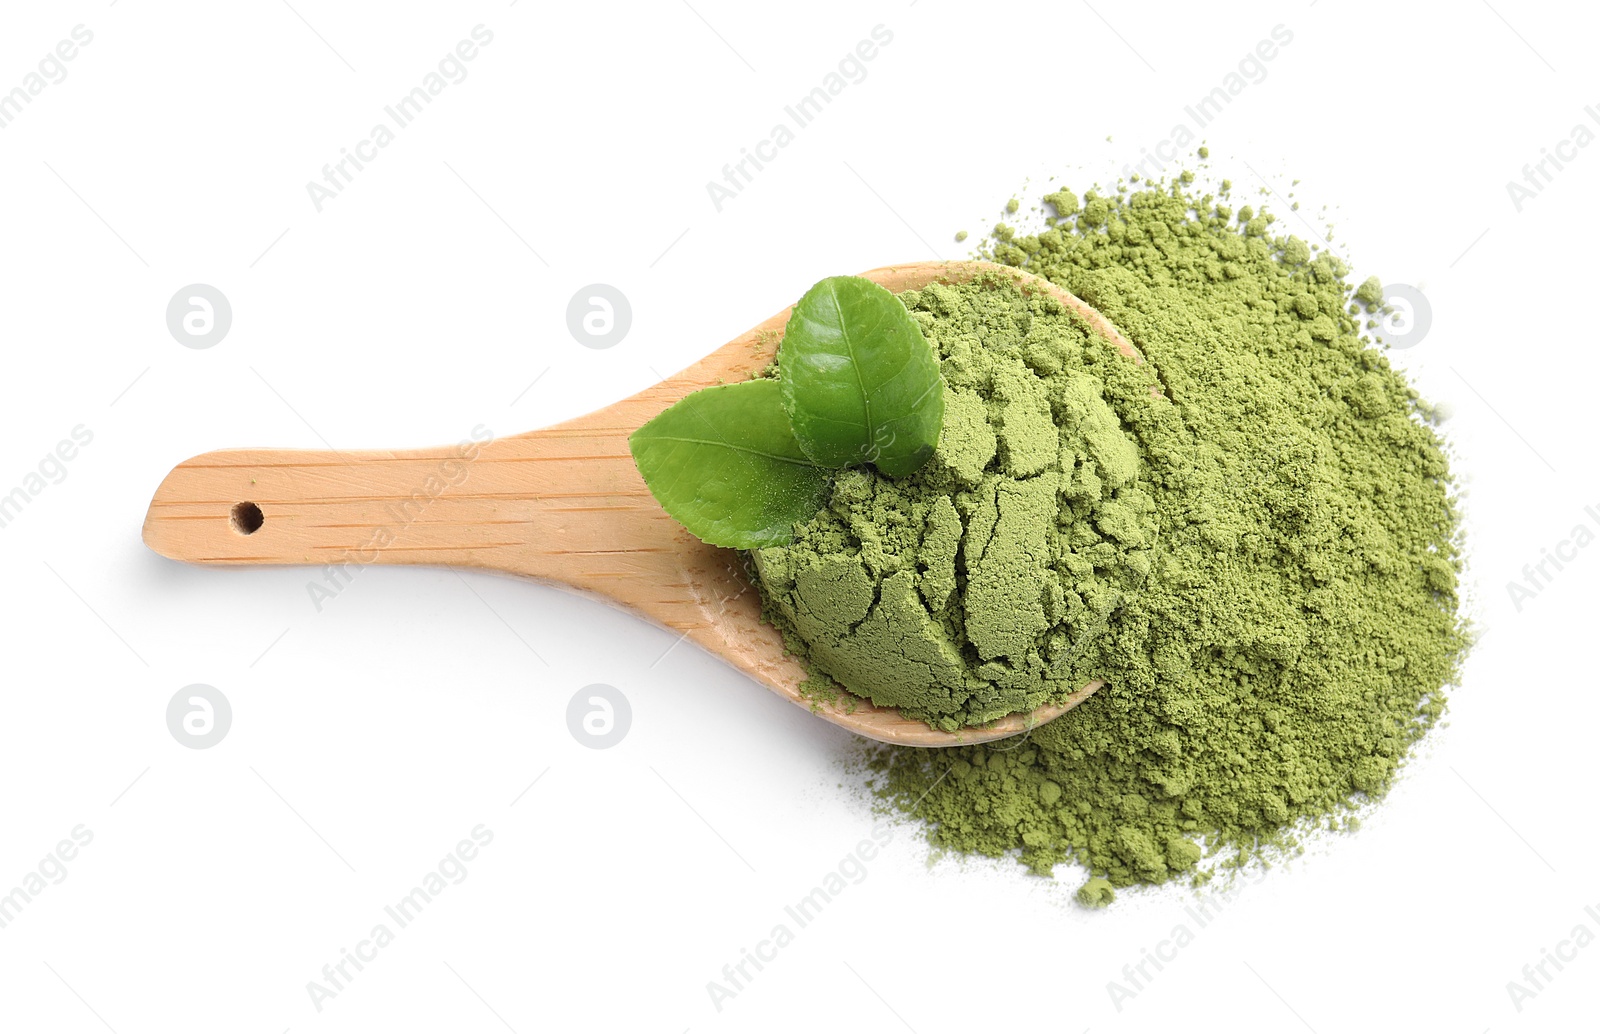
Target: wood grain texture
<point>564,505</point>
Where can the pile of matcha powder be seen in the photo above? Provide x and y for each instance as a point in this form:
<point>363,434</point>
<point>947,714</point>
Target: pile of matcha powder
<point>1260,560</point>
<point>972,589</point>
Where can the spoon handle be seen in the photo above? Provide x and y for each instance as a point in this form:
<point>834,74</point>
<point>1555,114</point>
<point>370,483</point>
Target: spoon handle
<point>564,505</point>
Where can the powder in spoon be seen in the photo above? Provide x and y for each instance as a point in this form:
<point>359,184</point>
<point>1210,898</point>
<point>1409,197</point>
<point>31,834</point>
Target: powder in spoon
<point>1299,625</point>
<point>971,589</point>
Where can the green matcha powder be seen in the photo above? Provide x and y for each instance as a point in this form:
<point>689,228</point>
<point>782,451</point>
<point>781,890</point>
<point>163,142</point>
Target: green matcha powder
<point>973,588</point>
<point>1260,562</point>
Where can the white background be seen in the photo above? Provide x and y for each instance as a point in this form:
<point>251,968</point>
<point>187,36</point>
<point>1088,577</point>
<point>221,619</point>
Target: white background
<point>370,737</point>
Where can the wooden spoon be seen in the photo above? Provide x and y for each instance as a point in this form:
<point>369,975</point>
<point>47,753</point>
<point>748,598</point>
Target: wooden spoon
<point>564,505</point>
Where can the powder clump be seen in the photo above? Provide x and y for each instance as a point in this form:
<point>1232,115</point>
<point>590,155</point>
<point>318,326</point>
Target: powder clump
<point>1096,893</point>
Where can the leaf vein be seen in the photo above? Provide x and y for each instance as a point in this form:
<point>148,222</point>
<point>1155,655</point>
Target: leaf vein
<point>729,445</point>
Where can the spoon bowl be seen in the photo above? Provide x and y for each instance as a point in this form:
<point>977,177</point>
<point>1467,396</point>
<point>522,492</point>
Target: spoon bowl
<point>563,505</point>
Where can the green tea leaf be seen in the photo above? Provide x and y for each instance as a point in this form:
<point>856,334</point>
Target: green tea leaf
<point>724,463</point>
<point>860,382</point>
